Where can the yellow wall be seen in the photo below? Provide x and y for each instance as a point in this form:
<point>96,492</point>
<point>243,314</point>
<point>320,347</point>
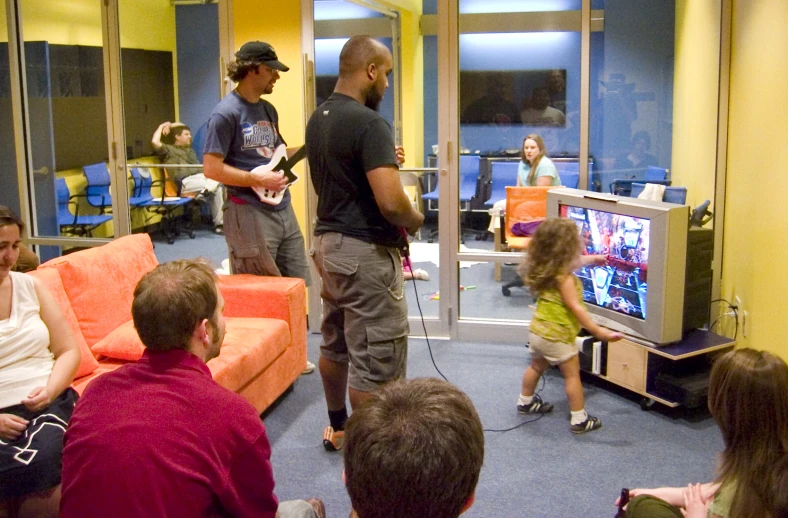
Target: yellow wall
<point>696,76</point>
<point>144,24</point>
<point>412,58</point>
<point>283,31</point>
<point>412,61</point>
<point>756,230</point>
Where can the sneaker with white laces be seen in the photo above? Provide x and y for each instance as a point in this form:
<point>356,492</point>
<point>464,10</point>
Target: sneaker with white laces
<point>590,424</point>
<point>537,406</point>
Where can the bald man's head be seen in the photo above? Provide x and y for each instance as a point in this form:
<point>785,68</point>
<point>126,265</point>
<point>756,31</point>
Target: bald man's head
<point>359,52</point>
<point>364,66</point>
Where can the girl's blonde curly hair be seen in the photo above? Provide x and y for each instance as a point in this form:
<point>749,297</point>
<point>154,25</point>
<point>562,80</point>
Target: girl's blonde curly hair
<point>551,252</point>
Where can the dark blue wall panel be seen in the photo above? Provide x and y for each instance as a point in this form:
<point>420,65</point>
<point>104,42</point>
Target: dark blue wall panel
<point>197,34</point>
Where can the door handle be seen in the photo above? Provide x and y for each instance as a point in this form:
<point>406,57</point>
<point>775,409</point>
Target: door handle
<point>42,171</point>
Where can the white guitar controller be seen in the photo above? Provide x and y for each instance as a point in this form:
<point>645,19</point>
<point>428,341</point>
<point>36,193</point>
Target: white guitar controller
<point>279,162</point>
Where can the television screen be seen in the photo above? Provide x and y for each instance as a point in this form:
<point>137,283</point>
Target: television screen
<point>622,285</point>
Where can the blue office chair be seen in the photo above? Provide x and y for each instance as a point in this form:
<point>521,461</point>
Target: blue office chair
<point>469,180</point>
<point>570,180</point>
<point>469,177</point>
<point>503,174</point>
<point>198,141</point>
<point>569,172</point>
<point>675,195</point>
<point>165,206</point>
<point>76,223</point>
<point>142,182</point>
<point>672,194</point>
<point>97,190</point>
<point>656,174</point>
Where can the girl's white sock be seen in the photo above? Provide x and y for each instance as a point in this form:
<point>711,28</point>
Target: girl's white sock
<point>579,416</point>
<point>525,400</point>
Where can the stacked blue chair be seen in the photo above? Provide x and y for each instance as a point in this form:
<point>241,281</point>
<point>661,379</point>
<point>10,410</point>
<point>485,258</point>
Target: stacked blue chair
<point>164,206</point>
<point>656,174</point>
<point>469,179</point>
<point>569,173</point>
<point>97,190</point>
<point>74,223</point>
<point>570,180</point>
<point>503,174</point>
<point>141,194</point>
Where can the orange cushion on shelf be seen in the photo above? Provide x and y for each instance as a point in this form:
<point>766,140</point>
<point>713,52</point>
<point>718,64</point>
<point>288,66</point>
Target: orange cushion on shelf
<point>100,282</point>
<point>50,279</point>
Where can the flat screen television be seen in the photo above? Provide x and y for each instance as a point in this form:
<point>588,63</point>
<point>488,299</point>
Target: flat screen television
<point>640,292</point>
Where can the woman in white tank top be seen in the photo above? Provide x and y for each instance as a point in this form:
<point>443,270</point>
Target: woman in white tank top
<point>38,360</point>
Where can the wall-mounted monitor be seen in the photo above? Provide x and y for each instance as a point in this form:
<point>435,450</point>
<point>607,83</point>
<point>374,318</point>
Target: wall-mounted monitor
<point>523,97</point>
<point>640,292</point>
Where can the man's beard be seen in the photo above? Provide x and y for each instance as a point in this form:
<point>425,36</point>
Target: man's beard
<point>216,343</point>
<point>373,98</point>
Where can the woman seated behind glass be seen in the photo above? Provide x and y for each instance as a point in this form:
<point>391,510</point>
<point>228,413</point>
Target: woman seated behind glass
<point>38,360</point>
<point>535,168</point>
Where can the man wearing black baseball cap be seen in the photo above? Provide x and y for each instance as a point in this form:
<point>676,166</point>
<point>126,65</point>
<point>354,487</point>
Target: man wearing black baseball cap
<point>263,52</point>
<point>242,134</point>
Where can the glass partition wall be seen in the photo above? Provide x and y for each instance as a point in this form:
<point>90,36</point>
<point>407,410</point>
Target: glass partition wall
<point>54,75</point>
<point>595,79</point>
<point>99,77</point>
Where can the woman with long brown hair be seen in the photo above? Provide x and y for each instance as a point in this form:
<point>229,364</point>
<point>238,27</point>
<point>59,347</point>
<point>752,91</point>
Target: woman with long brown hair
<point>748,398</point>
<point>535,168</point>
<point>38,360</point>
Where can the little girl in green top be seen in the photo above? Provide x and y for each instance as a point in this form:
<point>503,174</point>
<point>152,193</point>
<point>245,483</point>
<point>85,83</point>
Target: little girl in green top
<point>554,253</point>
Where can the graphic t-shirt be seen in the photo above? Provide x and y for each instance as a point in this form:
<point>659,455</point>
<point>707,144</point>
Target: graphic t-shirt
<point>246,135</point>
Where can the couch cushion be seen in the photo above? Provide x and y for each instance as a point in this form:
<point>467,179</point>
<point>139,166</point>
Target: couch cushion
<point>122,344</point>
<point>50,279</point>
<point>106,365</point>
<point>100,282</point>
<point>250,345</point>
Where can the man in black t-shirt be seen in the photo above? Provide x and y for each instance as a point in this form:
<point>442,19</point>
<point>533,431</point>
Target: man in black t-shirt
<point>361,208</point>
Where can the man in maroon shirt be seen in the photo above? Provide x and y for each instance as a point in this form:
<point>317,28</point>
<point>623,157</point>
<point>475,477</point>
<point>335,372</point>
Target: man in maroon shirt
<point>159,437</point>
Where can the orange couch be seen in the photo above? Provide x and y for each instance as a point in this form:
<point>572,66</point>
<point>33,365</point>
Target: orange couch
<point>264,350</point>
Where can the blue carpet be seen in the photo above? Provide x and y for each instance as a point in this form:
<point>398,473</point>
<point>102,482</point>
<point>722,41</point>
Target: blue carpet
<point>540,469</point>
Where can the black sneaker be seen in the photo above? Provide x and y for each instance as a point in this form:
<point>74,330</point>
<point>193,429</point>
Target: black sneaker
<point>537,406</point>
<point>592,423</point>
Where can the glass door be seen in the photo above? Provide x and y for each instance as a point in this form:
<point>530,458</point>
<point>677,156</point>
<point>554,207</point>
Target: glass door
<point>171,78</point>
<point>67,188</point>
<point>334,22</point>
<point>518,71</point>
